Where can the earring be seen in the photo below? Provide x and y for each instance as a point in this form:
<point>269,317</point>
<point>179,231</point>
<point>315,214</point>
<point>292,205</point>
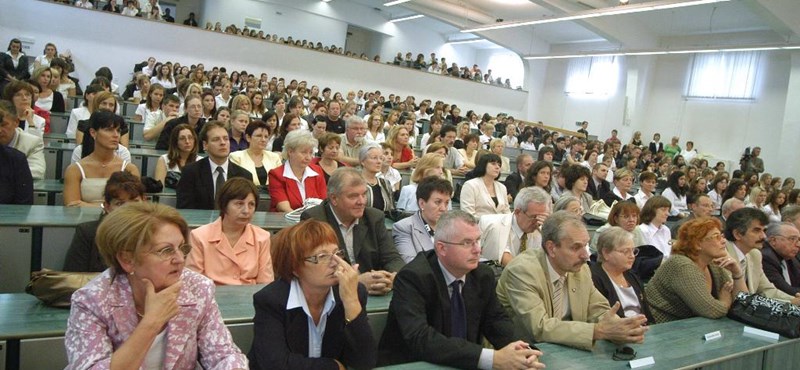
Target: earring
<point>131,273</point>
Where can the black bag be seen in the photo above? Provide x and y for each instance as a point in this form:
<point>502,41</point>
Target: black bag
<point>646,262</point>
<point>766,314</point>
<point>152,185</point>
<point>171,181</point>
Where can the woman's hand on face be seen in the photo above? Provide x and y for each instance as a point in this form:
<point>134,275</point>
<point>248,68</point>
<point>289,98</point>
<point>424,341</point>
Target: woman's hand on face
<point>162,306</point>
<point>728,264</point>
<point>348,278</point>
<point>29,114</point>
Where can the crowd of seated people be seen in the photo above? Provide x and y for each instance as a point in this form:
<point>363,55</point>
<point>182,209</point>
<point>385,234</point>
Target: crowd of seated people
<point>506,271</point>
<point>151,9</point>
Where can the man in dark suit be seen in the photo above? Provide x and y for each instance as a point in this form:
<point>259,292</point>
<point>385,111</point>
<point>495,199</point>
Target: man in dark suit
<point>433,318</point>
<point>778,257</point>
<point>200,181</point>
<point>361,230</point>
<point>515,180</point>
<point>598,185</point>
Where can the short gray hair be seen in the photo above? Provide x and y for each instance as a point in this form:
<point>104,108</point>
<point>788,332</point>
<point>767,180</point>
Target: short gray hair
<point>776,228</point>
<point>353,119</point>
<point>727,207</point>
<point>532,194</point>
<point>610,238</point>
<point>562,203</point>
<point>446,227</point>
<point>298,139</point>
<point>362,153</point>
<point>790,213</point>
<point>344,176</point>
<point>554,227</point>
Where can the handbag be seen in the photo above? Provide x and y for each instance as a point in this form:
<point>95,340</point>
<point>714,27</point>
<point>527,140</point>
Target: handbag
<point>766,314</point>
<point>171,181</point>
<point>55,288</point>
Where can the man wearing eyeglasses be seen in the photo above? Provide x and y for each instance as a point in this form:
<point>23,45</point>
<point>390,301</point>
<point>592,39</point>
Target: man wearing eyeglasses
<point>779,252</point>
<point>744,230</point>
<point>549,293</point>
<point>701,205</point>
<point>444,304</point>
<point>504,236</point>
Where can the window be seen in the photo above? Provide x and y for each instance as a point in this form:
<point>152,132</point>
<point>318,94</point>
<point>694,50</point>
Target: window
<point>595,76</point>
<point>725,75</point>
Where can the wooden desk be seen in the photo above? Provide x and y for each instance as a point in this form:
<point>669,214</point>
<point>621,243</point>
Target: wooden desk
<point>30,328</point>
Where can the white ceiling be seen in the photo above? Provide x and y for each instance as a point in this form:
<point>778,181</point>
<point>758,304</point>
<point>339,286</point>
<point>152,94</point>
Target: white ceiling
<point>745,21</point>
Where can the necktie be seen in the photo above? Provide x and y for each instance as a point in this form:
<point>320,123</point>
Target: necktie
<point>219,182</point>
<point>558,298</point>
<point>523,243</point>
<point>458,314</point>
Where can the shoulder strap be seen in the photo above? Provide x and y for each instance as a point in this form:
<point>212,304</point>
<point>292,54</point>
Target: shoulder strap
<point>83,174</point>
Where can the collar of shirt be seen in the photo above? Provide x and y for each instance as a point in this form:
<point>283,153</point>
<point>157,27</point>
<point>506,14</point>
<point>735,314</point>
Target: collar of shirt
<point>652,230</point>
<point>619,194</point>
<point>289,174</point>
<point>551,272</point>
<point>340,223</point>
<point>214,167</point>
<point>739,255</point>
<point>641,194</point>
<point>297,299</point>
<point>448,277</point>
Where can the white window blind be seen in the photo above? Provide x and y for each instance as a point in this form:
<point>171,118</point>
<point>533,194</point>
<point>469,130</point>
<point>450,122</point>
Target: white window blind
<point>725,75</point>
<point>596,76</point>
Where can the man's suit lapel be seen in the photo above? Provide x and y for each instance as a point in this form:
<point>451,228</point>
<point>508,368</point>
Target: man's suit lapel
<point>206,182</point>
<point>442,293</point>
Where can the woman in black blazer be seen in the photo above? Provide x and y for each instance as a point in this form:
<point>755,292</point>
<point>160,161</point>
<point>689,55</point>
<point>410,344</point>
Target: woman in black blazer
<point>313,285</point>
<point>612,274</point>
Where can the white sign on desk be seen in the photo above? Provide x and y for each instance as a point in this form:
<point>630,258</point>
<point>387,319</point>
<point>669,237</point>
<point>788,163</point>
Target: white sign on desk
<point>714,335</point>
<point>642,362</point>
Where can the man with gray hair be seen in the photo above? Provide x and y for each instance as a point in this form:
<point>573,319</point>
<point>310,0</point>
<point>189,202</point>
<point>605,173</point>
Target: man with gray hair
<point>504,236</point>
<point>549,293</point>
<point>361,230</point>
<point>352,140</point>
<point>779,257</point>
<point>791,214</point>
<point>730,206</point>
<point>444,303</point>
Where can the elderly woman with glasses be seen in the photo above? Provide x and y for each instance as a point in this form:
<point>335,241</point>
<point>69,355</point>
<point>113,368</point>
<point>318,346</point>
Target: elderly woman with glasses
<point>314,315</point>
<point>146,310</point>
<point>612,274</point>
<point>700,279</point>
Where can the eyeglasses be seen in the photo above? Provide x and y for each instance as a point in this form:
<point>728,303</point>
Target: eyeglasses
<point>323,258</point>
<point>168,253</point>
<point>792,239</point>
<point>465,243</point>
<point>628,252</point>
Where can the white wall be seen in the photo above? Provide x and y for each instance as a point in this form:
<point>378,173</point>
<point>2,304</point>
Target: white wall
<point>290,22</point>
<point>413,36</point>
<point>92,47</point>
<point>721,129</point>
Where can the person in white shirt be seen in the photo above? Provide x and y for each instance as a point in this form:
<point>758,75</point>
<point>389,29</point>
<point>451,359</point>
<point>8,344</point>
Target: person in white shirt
<point>224,97</point>
<point>84,4</point>
<point>487,134</point>
<point>510,138</point>
<point>151,62</point>
<point>676,194</point>
<point>689,152</point>
<point>422,113</point>
<point>152,10</point>
<point>647,187</point>
<point>653,224</point>
<point>131,10</point>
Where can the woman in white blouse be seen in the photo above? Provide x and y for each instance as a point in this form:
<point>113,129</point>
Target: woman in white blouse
<point>654,217</point>
<point>775,201</point>
<point>375,129</point>
<point>485,195</point>
<point>164,77</point>
<point>676,194</point>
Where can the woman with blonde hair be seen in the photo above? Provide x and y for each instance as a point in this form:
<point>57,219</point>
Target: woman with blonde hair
<point>431,164</point>
<point>375,129</point>
<point>398,139</point>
